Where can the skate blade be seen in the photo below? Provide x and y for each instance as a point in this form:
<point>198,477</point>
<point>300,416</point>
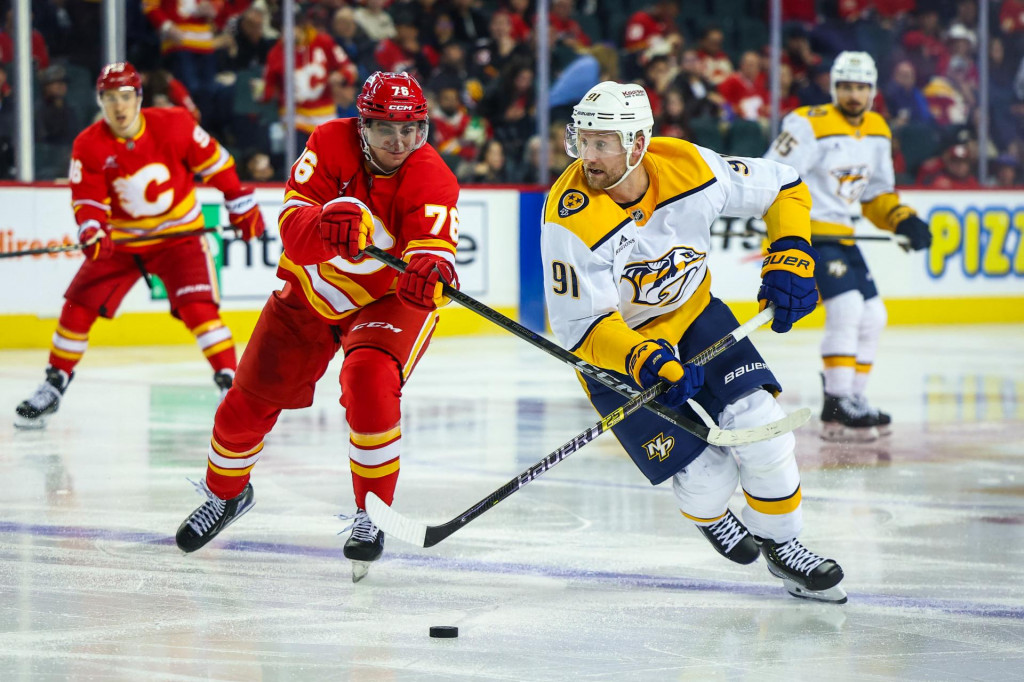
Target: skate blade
<point>843,434</point>
<point>29,424</point>
<point>359,570</point>
<point>833,595</point>
<point>884,431</point>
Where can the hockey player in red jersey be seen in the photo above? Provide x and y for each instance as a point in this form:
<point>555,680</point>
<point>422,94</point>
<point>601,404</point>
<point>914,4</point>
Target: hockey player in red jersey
<point>131,176</point>
<point>370,179</point>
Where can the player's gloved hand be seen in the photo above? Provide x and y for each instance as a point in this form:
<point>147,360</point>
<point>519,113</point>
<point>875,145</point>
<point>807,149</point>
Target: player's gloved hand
<point>917,231</point>
<point>346,226</point>
<point>421,285</point>
<point>787,280</point>
<point>244,214</point>
<point>652,361</point>
<point>95,240</point>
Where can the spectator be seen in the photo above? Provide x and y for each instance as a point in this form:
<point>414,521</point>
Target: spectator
<point>652,26</point>
<point>375,22</point>
<point>250,45</point>
<point>455,132</point>
<point>714,63</point>
<point>40,53</point>
<point>319,63</point>
<point>904,99</point>
<point>558,161</point>
<point>700,96</point>
<point>957,170</point>
<point>353,40</point>
<point>673,121</point>
<point>452,67</point>
<point>405,52</point>
<point>924,43</point>
<point>1005,171</point>
<point>470,23</point>
<point>798,55</point>
<point>492,55</point>
<point>744,90</point>
<point>565,29</point>
<point>521,13</point>
<point>6,126</point>
<point>947,104</point>
<point>427,14</point>
<point>161,89</point>
<point>491,166</point>
<point>258,168</point>
<point>816,92</point>
<point>1006,123</point>
<point>788,101</point>
<point>55,122</point>
<point>509,104</point>
<point>657,77</point>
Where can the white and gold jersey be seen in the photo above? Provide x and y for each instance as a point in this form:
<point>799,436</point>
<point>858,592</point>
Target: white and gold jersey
<point>615,275</point>
<point>842,165</point>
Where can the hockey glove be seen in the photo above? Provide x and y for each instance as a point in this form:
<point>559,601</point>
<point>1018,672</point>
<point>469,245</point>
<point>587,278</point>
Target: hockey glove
<point>244,214</point>
<point>787,280</point>
<point>421,285</point>
<point>652,361</point>
<point>346,226</point>
<point>917,231</point>
<point>95,240</point>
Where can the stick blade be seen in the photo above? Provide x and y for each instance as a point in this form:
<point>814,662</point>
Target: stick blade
<point>790,422</point>
<point>394,524</point>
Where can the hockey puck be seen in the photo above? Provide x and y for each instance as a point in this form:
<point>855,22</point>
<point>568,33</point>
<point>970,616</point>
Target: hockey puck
<point>444,631</point>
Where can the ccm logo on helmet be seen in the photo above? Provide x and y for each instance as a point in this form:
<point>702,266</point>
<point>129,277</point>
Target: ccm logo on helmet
<point>400,107</point>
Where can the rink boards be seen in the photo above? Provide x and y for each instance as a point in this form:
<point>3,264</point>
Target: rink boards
<point>973,272</point>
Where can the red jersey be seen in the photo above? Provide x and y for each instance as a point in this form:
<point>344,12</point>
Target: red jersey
<point>315,61</point>
<point>40,55</point>
<point>144,185</point>
<point>198,22</point>
<point>413,212</point>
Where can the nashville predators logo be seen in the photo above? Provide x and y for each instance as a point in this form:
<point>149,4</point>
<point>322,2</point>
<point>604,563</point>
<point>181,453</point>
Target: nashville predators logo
<point>852,182</point>
<point>836,268</point>
<point>572,201</point>
<point>661,281</point>
<point>659,447</point>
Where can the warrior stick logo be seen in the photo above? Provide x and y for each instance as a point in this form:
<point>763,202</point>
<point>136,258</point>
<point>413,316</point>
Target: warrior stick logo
<point>661,281</point>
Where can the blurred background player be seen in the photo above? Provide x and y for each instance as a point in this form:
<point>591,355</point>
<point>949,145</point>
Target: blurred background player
<point>132,175</point>
<point>365,180</point>
<point>843,151</point>
<point>626,232</point>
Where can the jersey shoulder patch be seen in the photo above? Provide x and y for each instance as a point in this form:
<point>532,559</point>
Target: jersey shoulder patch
<point>590,215</point>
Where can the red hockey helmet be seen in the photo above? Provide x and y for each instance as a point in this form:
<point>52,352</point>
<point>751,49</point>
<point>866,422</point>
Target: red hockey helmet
<point>117,76</point>
<point>392,97</point>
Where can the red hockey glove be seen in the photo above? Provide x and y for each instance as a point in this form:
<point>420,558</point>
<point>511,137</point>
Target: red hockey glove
<point>652,361</point>
<point>95,240</point>
<point>346,225</point>
<point>244,214</point>
<point>421,285</point>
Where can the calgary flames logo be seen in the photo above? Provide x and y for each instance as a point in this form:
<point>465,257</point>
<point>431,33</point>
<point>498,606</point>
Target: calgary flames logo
<point>852,182</point>
<point>661,281</point>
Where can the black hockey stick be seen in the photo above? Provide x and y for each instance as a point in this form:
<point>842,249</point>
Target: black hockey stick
<point>415,533</point>
<point>712,435</point>
<point>899,239</point>
<point>131,240</point>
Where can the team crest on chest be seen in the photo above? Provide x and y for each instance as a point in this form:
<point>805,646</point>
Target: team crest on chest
<point>661,281</point>
<point>572,201</point>
<point>853,180</point>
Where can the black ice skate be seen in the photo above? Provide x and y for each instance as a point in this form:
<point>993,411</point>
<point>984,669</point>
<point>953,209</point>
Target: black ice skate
<point>731,539</point>
<point>364,546</point>
<point>843,420</point>
<point>804,573</point>
<point>883,421</point>
<point>225,379</point>
<point>34,412</point>
<point>211,517</point>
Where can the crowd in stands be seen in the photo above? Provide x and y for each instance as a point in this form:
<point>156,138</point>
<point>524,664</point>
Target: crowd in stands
<point>704,63</point>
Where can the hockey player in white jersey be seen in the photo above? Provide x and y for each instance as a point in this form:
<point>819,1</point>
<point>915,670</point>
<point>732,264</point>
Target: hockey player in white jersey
<point>626,232</point>
<point>843,151</point>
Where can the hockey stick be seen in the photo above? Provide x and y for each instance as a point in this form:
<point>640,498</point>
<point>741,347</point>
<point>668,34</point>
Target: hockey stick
<point>900,240</point>
<point>131,240</point>
<point>712,435</point>
<point>415,533</point>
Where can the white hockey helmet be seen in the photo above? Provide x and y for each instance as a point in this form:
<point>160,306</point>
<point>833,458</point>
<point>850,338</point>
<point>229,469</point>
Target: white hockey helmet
<point>622,108</point>
<point>853,67</point>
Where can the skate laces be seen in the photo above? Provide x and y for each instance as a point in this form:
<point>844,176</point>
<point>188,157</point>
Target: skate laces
<point>798,557</point>
<point>46,395</point>
<point>727,531</point>
<point>203,518</point>
<point>855,406</point>
<point>362,527</point>
<point>861,401</point>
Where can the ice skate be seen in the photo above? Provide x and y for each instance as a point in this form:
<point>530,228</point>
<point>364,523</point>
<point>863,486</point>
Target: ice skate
<point>883,421</point>
<point>364,546</point>
<point>731,539</point>
<point>211,517</point>
<point>804,573</point>
<point>843,420</point>
<point>34,412</point>
<point>225,379</point>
